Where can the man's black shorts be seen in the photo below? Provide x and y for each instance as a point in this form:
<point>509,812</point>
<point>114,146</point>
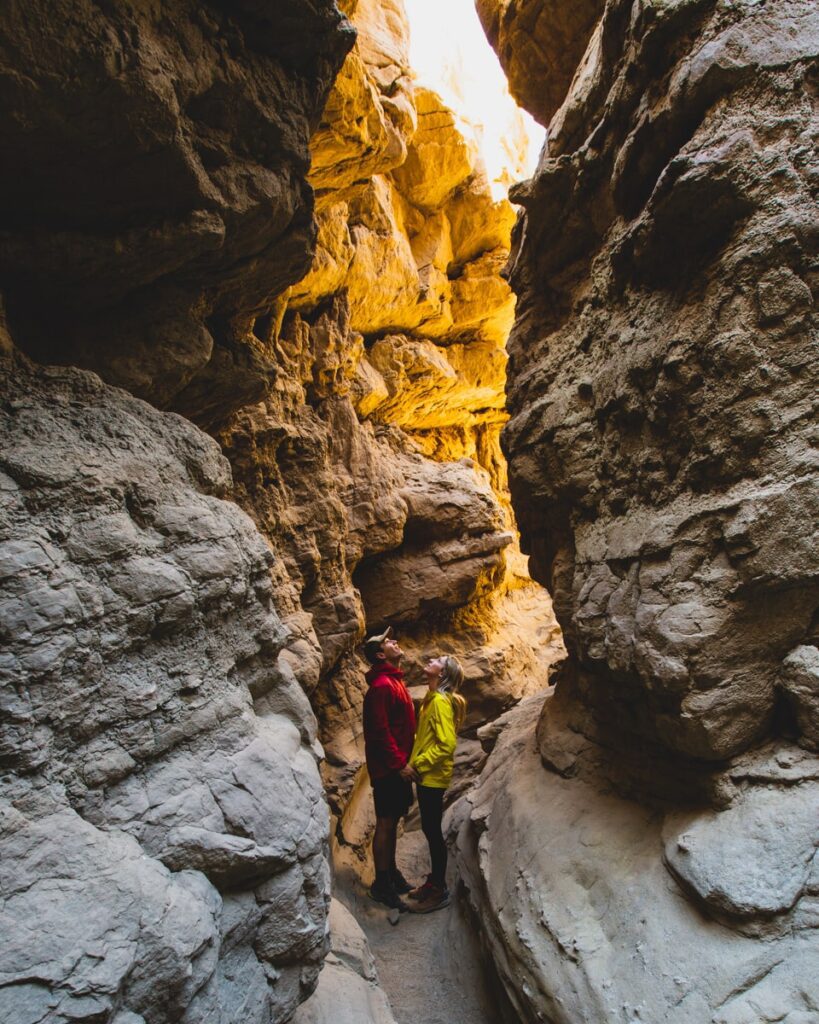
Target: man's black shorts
<point>392,795</point>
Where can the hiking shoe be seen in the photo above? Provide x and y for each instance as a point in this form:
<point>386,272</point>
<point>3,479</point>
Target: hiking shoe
<point>422,891</point>
<point>386,895</point>
<point>399,883</point>
<point>436,899</point>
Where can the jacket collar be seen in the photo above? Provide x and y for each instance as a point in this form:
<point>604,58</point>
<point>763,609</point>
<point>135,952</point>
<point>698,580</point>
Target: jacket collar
<point>383,668</point>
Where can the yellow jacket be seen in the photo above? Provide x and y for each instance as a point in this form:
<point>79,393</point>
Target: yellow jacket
<point>433,753</point>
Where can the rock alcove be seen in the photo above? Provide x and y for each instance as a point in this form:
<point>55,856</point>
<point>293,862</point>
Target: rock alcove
<point>224,451</point>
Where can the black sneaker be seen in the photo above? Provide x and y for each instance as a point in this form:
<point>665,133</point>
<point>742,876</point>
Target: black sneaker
<point>386,895</point>
<point>400,884</point>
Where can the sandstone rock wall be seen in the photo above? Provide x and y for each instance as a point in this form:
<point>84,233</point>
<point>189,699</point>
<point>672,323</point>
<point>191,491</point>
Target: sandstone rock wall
<point>373,465</point>
<point>164,831</point>
<point>662,386</point>
<point>539,44</point>
<point>163,834</point>
<point>584,920</point>
<point>661,379</point>
<point>153,185</point>
<point>157,222</point>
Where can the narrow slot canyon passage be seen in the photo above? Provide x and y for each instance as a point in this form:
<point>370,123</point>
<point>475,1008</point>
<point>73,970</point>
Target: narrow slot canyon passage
<point>417,250</point>
<point>488,321</point>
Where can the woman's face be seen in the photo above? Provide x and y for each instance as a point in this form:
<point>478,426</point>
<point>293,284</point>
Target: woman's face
<point>433,668</point>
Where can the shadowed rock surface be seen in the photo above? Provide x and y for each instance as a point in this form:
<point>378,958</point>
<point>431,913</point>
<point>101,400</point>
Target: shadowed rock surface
<point>657,859</point>
<point>153,185</point>
<point>539,44</point>
<point>163,837</point>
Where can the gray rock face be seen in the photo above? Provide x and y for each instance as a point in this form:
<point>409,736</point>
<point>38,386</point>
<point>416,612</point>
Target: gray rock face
<point>584,922</point>
<point>348,991</point>
<point>644,847</point>
<point>663,373</point>
<point>163,836</point>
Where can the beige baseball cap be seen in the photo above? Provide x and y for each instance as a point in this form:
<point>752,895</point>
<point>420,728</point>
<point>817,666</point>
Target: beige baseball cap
<point>372,645</point>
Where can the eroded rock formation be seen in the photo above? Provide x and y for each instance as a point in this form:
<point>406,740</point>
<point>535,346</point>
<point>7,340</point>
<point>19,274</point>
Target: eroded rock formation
<point>373,465</point>
<point>153,185</point>
<point>348,991</point>
<point>539,44</point>
<point>163,836</point>
<point>662,385</point>
<point>341,334</point>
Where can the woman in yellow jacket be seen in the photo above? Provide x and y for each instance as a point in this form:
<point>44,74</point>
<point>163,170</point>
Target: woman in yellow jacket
<point>430,765</point>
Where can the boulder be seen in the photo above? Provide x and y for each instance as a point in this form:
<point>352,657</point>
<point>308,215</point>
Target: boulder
<point>452,545</point>
<point>581,910</point>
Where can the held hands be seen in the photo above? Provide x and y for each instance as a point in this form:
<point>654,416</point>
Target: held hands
<point>409,773</point>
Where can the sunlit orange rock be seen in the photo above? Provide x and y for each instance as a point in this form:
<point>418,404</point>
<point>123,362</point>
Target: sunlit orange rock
<point>428,386</point>
<point>439,158</point>
<point>483,305</point>
<point>477,222</point>
<point>370,113</point>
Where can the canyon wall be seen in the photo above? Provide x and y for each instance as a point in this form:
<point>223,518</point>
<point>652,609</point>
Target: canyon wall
<point>163,835</point>
<point>373,465</point>
<point>153,185</point>
<point>227,218</point>
<point>662,459</point>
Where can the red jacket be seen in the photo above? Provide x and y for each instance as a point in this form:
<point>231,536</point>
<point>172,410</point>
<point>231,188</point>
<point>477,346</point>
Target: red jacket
<point>389,721</point>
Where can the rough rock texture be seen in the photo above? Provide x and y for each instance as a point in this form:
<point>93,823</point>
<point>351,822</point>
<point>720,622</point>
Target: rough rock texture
<point>662,455</point>
<point>152,184</point>
<point>158,225</point>
<point>373,466</point>
<point>585,923</point>
<point>348,991</point>
<point>539,44</point>
<point>662,460</point>
<point>163,832</point>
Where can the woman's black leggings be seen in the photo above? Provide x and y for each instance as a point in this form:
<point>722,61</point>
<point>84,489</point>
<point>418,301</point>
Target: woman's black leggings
<point>431,806</point>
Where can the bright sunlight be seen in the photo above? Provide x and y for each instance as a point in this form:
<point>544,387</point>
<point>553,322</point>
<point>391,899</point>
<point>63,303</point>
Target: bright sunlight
<point>451,55</point>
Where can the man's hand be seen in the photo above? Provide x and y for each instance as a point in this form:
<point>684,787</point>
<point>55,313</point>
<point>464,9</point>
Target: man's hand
<point>409,773</point>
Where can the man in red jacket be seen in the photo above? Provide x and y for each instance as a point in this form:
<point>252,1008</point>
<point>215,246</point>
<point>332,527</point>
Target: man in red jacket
<point>389,730</point>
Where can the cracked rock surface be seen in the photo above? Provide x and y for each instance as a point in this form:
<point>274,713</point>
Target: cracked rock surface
<point>163,835</point>
<point>597,907</point>
<point>644,847</point>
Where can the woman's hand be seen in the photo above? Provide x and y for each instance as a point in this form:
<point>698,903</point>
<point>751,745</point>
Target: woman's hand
<point>409,773</point>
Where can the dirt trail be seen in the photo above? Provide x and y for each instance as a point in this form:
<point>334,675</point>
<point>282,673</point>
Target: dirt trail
<point>429,964</point>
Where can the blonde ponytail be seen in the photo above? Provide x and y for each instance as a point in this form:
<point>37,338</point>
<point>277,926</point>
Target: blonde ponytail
<point>452,676</point>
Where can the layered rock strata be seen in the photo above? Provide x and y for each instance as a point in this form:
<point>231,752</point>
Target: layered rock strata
<point>662,387</point>
<point>163,836</point>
